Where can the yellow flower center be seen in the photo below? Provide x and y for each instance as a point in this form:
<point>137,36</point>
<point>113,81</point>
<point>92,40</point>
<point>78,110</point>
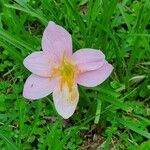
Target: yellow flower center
<point>67,72</point>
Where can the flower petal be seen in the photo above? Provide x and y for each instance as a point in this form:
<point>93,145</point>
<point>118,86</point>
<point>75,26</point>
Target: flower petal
<point>88,59</point>
<point>39,64</point>
<point>65,101</point>
<point>37,87</point>
<point>56,40</point>
<point>95,77</point>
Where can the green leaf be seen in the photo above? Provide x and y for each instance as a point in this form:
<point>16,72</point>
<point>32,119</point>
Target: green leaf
<point>130,125</point>
<point>8,141</point>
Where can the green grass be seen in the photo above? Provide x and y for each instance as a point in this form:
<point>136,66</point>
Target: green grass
<point>115,114</point>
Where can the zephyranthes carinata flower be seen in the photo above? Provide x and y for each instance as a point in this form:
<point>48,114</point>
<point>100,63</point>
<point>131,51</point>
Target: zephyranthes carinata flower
<point>56,69</point>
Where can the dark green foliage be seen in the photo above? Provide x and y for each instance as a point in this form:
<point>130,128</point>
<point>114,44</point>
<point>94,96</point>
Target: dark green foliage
<point>115,114</point>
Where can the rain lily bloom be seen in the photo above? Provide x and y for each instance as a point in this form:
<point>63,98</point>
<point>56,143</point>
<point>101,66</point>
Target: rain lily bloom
<point>58,70</point>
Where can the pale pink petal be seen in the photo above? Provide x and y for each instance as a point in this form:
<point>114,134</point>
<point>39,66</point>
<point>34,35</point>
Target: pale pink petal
<point>38,87</point>
<point>95,77</point>
<point>39,64</point>
<point>88,59</point>
<point>56,40</point>
<point>65,101</point>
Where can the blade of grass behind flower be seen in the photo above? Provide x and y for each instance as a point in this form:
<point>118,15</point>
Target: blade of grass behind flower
<point>8,141</point>
<point>28,9</point>
<point>73,10</point>
<point>16,55</point>
<point>15,41</point>
<point>130,125</point>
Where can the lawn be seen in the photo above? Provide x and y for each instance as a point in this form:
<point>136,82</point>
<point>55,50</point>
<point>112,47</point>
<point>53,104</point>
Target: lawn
<point>114,115</point>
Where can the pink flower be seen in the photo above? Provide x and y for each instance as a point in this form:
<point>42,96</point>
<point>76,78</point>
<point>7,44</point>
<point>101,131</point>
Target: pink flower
<point>56,69</point>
